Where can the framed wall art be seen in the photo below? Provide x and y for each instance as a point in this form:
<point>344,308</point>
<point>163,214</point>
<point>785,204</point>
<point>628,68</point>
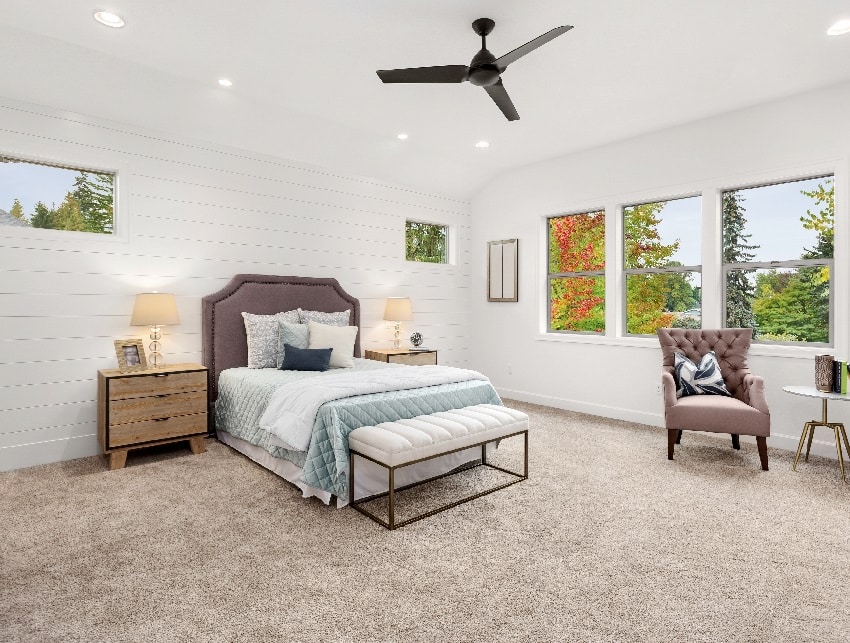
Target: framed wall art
<point>131,355</point>
<point>502,275</point>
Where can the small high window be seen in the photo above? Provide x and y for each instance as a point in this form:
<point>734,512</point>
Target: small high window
<point>426,242</point>
<point>40,195</point>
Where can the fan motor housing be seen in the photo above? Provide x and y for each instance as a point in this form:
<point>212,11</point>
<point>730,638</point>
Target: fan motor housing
<point>482,69</point>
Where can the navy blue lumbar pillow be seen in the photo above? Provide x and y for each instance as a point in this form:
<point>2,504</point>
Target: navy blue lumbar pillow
<point>698,379</point>
<point>305,359</point>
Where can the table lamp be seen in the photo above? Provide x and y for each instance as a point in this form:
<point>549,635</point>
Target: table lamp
<point>398,309</point>
<point>155,309</point>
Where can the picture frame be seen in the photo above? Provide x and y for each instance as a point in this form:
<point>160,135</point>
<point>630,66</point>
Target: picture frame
<point>502,270</point>
<point>131,355</point>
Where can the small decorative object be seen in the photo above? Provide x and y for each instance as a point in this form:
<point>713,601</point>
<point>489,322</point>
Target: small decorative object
<point>131,355</point>
<point>397,310</point>
<point>416,339</point>
<point>823,372</point>
<point>502,273</point>
<point>155,309</point>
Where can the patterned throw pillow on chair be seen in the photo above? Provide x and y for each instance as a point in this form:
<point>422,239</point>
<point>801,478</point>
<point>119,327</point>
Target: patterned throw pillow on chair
<point>701,379</point>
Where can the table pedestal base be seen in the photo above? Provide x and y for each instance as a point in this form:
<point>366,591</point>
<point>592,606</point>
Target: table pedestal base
<point>809,429</point>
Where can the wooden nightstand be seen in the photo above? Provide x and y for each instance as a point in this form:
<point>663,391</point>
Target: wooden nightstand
<point>403,356</point>
<point>156,406</point>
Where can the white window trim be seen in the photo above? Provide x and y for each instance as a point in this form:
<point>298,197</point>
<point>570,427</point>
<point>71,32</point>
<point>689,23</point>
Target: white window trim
<point>120,224</point>
<point>451,242</point>
<point>547,305</point>
<point>625,272</point>
<point>712,285</point>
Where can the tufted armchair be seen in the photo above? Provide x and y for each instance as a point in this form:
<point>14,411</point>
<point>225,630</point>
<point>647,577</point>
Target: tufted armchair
<point>744,413</point>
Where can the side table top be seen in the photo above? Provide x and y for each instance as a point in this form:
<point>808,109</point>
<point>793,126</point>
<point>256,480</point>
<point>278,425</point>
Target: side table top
<point>811,391</point>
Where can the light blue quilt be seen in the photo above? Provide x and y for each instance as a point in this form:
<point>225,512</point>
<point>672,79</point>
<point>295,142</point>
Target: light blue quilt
<point>244,394</point>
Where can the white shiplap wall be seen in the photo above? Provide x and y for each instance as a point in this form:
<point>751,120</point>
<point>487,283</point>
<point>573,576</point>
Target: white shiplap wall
<point>192,215</point>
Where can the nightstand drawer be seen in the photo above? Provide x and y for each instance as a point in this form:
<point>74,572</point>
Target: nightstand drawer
<point>138,409</point>
<point>172,427</point>
<point>414,359</point>
<point>158,384</point>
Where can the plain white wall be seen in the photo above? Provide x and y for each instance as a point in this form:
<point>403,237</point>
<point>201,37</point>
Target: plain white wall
<point>618,377</point>
<point>191,214</point>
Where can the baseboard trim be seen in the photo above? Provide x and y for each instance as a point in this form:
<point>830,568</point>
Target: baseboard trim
<point>601,410</point>
<point>820,447</point>
<point>30,455</point>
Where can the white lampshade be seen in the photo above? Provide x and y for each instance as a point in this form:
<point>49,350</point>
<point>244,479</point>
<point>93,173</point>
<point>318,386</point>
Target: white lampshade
<point>398,309</point>
<point>155,309</point>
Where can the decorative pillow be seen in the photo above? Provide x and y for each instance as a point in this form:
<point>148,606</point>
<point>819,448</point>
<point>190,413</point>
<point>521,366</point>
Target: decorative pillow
<point>297,335</point>
<point>340,338</point>
<point>262,332</point>
<point>328,319</point>
<point>305,359</point>
<point>702,379</point>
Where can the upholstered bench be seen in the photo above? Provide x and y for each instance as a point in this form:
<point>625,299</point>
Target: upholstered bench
<point>404,442</point>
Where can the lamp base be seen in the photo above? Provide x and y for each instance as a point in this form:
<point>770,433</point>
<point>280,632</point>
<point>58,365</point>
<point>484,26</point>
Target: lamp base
<point>397,340</point>
<point>155,359</point>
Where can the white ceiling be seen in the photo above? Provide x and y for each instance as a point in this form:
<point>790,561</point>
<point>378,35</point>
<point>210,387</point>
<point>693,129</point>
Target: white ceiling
<point>627,68</point>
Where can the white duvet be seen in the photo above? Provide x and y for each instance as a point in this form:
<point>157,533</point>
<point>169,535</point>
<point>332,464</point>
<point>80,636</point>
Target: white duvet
<point>292,408</point>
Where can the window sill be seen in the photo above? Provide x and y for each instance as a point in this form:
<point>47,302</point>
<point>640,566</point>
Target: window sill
<point>756,349</point>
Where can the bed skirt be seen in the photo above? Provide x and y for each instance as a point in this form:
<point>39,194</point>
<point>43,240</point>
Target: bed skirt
<point>371,477</point>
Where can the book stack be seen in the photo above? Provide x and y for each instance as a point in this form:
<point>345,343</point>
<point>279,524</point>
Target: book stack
<point>839,377</point>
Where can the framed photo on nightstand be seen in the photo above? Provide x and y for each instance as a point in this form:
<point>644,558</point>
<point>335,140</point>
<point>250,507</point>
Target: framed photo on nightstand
<point>131,355</point>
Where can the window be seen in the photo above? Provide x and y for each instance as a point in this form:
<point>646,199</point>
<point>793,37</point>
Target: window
<point>40,195</point>
<point>777,259</point>
<point>576,273</point>
<point>426,242</point>
<point>662,265</point>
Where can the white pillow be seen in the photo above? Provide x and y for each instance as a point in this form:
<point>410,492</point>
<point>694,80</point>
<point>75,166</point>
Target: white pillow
<point>340,338</point>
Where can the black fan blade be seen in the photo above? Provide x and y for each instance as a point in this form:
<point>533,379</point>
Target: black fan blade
<point>444,74</point>
<point>503,62</point>
<point>500,97</point>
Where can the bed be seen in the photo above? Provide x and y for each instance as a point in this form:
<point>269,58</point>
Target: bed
<point>240,396</point>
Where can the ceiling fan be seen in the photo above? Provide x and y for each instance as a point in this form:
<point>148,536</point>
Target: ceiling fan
<point>485,70</point>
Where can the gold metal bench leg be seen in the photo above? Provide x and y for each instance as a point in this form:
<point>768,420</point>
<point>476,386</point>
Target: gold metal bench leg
<point>392,497</point>
<point>350,478</point>
<point>525,455</point>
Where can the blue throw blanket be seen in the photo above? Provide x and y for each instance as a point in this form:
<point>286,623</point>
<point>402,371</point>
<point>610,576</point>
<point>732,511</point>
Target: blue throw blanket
<point>244,394</point>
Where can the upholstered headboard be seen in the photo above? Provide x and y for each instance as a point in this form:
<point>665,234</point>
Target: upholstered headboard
<point>225,344</point>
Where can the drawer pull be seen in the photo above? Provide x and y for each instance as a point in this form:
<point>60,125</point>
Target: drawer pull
<point>160,419</point>
<point>161,375</point>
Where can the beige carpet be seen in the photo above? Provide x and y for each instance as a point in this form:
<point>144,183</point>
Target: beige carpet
<point>607,541</point>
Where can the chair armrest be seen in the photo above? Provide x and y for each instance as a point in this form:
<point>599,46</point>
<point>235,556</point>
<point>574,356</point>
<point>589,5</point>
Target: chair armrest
<point>668,389</point>
<point>754,393</point>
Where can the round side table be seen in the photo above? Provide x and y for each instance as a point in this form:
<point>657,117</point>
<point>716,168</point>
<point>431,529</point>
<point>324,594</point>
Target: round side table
<point>809,427</point>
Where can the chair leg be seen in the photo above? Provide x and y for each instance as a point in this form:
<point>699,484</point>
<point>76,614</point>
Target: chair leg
<point>672,435</point>
<point>761,441</point>
<point>679,437</point>
<point>736,441</point>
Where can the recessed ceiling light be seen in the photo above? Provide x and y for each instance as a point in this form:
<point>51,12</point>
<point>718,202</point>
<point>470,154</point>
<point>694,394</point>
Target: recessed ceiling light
<point>839,28</point>
<point>109,19</point>
<point>224,82</point>
<point>482,144</point>
<point>402,136</point>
